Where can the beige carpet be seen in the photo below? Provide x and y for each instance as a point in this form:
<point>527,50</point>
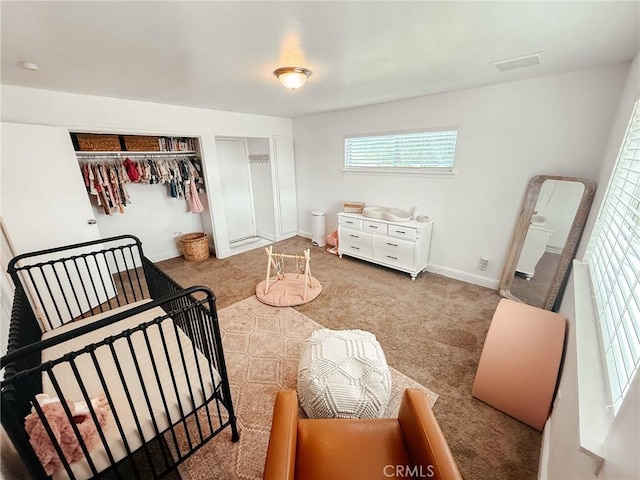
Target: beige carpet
<point>431,329</point>
<point>262,345</point>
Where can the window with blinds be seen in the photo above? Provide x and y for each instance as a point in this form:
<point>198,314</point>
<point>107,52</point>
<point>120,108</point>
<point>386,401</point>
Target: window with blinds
<point>613,256</point>
<point>431,151</point>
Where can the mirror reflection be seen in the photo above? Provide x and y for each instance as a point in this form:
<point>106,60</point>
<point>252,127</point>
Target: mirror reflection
<point>545,239</point>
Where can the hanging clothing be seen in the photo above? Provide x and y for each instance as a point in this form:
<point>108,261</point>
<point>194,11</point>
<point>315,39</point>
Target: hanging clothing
<point>196,205</point>
<point>132,172</point>
<point>106,180</point>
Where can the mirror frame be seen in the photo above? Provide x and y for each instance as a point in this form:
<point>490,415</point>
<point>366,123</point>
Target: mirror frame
<point>522,226</point>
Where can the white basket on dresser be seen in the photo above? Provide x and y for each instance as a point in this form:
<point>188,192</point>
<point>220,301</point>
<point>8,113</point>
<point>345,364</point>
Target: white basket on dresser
<point>403,246</point>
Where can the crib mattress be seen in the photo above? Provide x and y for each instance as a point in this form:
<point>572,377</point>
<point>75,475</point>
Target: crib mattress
<point>170,368</point>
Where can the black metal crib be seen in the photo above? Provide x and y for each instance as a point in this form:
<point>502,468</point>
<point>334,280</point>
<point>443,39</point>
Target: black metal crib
<point>98,320</point>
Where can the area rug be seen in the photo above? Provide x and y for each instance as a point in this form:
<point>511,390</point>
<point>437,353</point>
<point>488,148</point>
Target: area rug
<point>262,345</point>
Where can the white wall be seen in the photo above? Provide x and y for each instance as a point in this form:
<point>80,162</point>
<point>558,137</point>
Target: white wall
<point>6,293</point>
<point>507,133</point>
<point>6,285</point>
<point>563,459</point>
<point>154,217</point>
<point>101,114</point>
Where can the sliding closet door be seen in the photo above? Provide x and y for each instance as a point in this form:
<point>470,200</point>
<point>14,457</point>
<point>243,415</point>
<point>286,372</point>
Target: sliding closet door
<point>286,186</point>
<point>236,188</point>
<point>43,200</point>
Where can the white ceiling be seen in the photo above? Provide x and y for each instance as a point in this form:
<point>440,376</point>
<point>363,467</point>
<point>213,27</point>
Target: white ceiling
<point>221,55</point>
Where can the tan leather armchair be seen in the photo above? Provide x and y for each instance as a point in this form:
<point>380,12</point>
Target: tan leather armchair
<point>410,446</point>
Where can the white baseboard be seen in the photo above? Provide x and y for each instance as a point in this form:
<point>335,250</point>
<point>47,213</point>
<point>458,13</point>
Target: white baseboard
<point>224,253</point>
<point>464,276</point>
<point>450,272</point>
<point>158,257</point>
<point>266,236</point>
<point>543,466</point>
<point>284,237</point>
<point>166,255</point>
<point>309,236</point>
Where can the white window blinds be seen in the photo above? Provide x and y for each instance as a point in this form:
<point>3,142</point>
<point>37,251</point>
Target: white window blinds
<point>425,150</point>
<point>613,256</point>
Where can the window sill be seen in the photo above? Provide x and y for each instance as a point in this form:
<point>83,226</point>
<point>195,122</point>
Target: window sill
<point>593,397</point>
<point>409,172</point>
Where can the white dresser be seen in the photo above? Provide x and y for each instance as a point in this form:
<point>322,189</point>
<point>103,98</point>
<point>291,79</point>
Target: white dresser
<point>400,245</point>
<point>535,244</point>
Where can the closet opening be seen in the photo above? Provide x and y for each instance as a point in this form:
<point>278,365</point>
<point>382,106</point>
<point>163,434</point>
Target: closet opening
<point>247,191</point>
<point>150,186</point>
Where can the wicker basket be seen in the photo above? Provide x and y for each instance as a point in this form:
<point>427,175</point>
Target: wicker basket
<point>195,246</point>
<point>141,143</point>
<point>95,142</point>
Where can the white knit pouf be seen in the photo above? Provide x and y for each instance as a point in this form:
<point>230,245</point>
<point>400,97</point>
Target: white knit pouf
<point>343,374</point>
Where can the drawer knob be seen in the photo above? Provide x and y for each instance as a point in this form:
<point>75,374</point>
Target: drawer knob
<point>392,244</point>
<point>373,226</point>
<point>400,231</point>
<point>393,258</point>
<point>355,248</point>
<point>354,236</point>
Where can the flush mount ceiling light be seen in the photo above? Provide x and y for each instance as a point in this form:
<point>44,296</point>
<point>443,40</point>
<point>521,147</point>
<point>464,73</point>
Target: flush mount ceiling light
<point>292,77</point>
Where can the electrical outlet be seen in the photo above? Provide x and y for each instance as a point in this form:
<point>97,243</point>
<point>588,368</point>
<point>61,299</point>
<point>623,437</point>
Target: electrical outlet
<point>482,265</point>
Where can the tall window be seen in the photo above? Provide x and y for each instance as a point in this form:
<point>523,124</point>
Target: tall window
<point>613,256</point>
<point>416,151</point>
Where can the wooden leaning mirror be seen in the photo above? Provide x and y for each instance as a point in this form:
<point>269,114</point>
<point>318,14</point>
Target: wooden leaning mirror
<point>545,239</point>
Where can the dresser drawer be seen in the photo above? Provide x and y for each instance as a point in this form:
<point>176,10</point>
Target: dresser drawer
<point>399,231</point>
<point>355,237</point>
<point>350,222</point>
<point>374,227</point>
<point>399,260</point>
<point>362,250</point>
<point>393,245</point>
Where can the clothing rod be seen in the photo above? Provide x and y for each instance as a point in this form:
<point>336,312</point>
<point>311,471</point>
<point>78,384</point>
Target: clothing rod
<point>123,155</point>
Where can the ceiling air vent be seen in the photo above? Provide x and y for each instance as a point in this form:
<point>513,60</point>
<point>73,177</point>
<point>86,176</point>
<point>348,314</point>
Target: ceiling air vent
<point>518,62</point>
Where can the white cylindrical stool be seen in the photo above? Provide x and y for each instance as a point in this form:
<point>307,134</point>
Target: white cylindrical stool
<point>318,228</point>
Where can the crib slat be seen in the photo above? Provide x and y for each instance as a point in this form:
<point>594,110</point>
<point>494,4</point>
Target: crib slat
<point>59,393</point>
<point>135,271</point>
<point>73,290</point>
<point>175,388</point>
<point>188,379</point>
<point>134,412</point>
<point>113,410</point>
<point>145,392</point>
<point>167,412</point>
